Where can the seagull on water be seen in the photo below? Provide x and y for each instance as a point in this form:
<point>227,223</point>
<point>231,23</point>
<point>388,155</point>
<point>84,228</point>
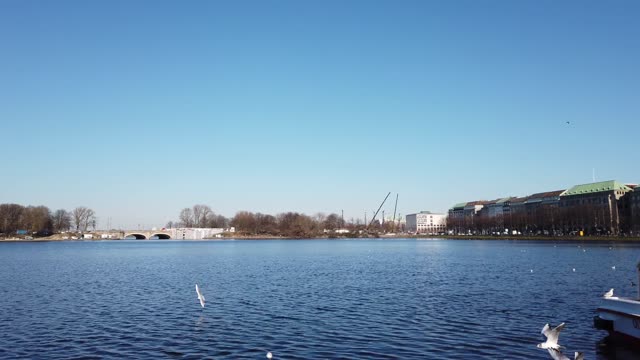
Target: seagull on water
<point>613,267</point>
<point>552,337</point>
<point>558,355</point>
<point>200,296</point>
<point>608,294</point>
<point>269,355</point>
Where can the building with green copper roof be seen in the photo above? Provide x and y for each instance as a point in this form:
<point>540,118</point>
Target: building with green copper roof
<point>605,207</point>
<point>597,187</point>
<point>457,210</point>
<point>458,206</point>
<point>595,207</point>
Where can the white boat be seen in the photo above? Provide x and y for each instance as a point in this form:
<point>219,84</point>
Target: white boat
<point>620,315</point>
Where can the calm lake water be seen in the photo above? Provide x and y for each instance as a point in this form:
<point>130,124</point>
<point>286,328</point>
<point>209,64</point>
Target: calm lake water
<point>311,299</point>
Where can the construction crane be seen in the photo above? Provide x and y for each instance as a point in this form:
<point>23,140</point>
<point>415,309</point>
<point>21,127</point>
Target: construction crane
<point>380,207</point>
<point>394,214</point>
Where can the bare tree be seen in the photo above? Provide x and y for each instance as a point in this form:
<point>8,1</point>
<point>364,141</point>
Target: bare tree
<point>217,221</point>
<point>267,224</point>
<point>37,219</point>
<point>245,221</point>
<point>82,218</point>
<point>61,220</point>
<point>10,217</point>
<point>186,217</point>
<point>319,217</point>
<point>333,222</point>
<point>201,213</point>
<point>296,225</point>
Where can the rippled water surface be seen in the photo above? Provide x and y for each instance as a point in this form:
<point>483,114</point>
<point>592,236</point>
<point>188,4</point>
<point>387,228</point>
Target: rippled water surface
<point>310,299</point>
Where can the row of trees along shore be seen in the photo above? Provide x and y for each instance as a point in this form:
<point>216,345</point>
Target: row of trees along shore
<point>41,221</point>
<point>288,224</point>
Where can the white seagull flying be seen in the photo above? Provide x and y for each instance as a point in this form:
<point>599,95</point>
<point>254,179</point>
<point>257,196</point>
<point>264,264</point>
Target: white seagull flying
<point>200,296</point>
<point>552,337</point>
<point>608,294</point>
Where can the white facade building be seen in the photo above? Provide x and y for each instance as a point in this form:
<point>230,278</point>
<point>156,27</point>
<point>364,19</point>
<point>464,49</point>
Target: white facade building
<point>426,222</point>
<point>194,233</point>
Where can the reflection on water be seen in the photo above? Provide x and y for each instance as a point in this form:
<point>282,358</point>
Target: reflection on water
<point>373,299</point>
<point>200,322</point>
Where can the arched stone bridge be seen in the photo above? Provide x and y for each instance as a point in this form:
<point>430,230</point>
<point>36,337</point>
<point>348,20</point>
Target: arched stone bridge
<point>147,234</point>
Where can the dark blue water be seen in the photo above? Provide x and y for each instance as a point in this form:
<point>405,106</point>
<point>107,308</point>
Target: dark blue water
<point>311,299</point>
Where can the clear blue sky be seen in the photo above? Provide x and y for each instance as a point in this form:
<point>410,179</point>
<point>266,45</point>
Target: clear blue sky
<point>140,108</point>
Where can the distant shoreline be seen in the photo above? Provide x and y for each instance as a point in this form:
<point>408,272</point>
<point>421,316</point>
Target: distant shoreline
<point>617,239</point>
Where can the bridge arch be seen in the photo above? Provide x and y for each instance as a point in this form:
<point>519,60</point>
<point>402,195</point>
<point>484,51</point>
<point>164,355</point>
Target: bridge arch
<point>137,236</point>
<point>161,236</point>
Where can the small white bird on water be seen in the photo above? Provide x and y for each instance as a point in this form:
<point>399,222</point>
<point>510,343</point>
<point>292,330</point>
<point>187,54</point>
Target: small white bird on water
<point>557,355</point>
<point>608,294</point>
<point>552,337</point>
<point>269,355</point>
<point>200,296</point>
<point>613,267</point>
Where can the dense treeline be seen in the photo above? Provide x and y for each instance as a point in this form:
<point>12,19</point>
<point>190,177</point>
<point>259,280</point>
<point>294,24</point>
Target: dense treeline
<point>288,224</point>
<point>39,220</point>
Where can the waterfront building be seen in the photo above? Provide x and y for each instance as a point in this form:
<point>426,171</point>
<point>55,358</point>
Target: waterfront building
<point>517,205</point>
<point>549,198</point>
<point>457,211</point>
<point>455,220</point>
<point>472,215</point>
<point>542,211</point>
<point>594,207</point>
<point>426,222</point>
<point>634,207</point>
<point>492,215</point>
<point>466,217</point>
<point>195,233</point>
<point>515,216</point>
<point>496,208</point>
<point>472,209</point>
